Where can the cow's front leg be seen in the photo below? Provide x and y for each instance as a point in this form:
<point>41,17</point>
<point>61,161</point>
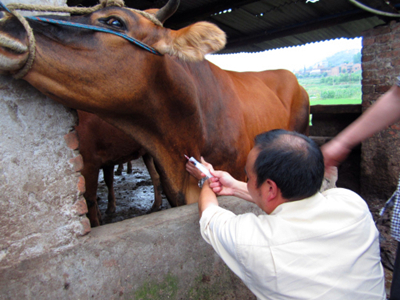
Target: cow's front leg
<point>91,175</point>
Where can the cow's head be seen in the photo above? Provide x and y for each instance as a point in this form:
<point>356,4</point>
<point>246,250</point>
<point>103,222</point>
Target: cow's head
<point>190,43</point>
<point>84,69</point>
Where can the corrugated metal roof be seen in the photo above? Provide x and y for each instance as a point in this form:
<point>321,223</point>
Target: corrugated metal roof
<point>253,26</point>
<point>259,27</point>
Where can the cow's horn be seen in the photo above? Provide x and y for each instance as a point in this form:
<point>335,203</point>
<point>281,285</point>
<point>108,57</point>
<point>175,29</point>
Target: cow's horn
<point>167,10</point>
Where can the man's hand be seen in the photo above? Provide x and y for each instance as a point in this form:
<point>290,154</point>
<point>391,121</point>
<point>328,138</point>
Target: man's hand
<point>334,153</point>
<point>196,173</point>
<point>222,183</point>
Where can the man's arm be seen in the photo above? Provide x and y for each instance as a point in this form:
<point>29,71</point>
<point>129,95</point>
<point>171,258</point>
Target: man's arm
<point>223,184</point>
<point>207,198</point>
<point>383,113</point>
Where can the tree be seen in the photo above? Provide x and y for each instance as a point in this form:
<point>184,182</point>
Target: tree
<point>357,58</point>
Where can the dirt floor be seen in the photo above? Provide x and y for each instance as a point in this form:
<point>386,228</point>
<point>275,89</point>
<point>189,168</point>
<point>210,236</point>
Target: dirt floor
<point>134,194</point>
<point>134,197</point>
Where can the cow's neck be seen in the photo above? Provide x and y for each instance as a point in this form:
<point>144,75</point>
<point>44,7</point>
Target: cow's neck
<point>186,116</point>
<point>171,126</point>
<point>168,154</point>
<point>168,117</point>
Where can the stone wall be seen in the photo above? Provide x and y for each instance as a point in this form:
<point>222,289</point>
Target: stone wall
<point>157,256</point>
<point>380,166</point>
<point>41,200</point>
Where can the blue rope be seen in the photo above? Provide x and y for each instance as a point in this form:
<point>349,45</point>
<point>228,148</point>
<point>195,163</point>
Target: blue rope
<point>4,7</point>
<point>97,28</point>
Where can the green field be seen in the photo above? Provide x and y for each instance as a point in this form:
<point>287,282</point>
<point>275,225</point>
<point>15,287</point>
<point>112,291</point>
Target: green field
<point>333,90</point>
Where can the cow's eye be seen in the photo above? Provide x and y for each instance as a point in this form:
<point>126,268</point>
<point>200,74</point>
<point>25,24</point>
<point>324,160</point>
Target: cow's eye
<point>114,22</point>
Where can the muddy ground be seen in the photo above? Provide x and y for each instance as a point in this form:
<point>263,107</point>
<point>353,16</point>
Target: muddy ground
<point>134,197</point>
<point>134,194</point>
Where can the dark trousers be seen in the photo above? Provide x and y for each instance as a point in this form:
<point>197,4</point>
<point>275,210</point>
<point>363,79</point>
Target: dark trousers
<point>395,288</point>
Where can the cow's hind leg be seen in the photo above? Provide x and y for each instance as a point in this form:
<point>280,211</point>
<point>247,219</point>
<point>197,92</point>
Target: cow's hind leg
<point>119,169</point>
<point>109,180</point>
<point>155,177</point>
<point>91,175</point>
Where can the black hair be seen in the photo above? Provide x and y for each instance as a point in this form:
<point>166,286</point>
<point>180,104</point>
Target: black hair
<point>290,159</point>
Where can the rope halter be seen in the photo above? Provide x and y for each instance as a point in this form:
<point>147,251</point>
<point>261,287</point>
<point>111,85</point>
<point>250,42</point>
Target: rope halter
<point>11,8</point>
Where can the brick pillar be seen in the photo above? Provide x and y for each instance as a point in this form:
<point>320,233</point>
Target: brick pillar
<point>380,158</point>
<point>79,207</point>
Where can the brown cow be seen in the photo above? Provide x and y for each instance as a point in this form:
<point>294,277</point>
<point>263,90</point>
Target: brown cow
<point>103,146</point>
<point>173,104</point>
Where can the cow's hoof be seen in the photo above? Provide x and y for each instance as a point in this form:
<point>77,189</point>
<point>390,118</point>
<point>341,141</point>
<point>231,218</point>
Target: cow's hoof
<point>154,208</point>
<point>110,211</point>
<point>95,223</point>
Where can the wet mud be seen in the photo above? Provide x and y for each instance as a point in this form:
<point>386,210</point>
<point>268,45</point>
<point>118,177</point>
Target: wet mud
<point>134,194</point>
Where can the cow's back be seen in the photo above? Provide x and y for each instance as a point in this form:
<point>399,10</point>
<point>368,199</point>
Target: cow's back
<point>285,85</point>
<point>245,105</point>
<point>271,99</point>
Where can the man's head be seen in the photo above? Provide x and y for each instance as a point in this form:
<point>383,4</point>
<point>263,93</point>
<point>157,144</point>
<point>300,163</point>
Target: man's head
<point>289,160</point>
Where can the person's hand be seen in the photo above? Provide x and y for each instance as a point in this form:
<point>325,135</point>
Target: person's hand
<point>196,173</point>
<point>222,183</point>
<point>334,153</point>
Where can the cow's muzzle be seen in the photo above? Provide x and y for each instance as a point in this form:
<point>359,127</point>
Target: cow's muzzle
<point>13,52</point>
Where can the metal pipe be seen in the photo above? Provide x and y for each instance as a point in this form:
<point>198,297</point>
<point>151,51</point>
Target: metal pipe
<point>374,11</point>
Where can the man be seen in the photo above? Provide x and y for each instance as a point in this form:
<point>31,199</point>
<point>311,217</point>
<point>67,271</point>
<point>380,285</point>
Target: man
<point>309,245</point>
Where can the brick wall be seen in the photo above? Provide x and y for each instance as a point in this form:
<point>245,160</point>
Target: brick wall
<point>79,207</point>
<point>380,159</point>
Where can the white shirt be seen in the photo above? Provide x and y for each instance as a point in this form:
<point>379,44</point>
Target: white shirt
<point>323,247</point>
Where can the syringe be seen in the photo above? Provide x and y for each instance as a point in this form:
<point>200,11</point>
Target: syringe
<point>199,166</point>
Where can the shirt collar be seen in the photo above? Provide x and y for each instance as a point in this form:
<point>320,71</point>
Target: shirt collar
<point>297,205</point>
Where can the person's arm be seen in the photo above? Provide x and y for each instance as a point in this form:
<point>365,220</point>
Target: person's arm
<point>223,184</point>
<point>207,198</point>
<point>383,113</point>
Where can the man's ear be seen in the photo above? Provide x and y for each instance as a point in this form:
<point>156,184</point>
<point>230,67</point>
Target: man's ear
<point>269,190</point>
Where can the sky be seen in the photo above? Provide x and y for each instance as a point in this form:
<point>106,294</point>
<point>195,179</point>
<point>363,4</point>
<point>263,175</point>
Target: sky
<point>293,58</point>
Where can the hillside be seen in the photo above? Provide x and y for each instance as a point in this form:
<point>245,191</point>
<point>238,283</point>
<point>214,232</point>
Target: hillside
<point>347,56</point>
<point>326,87</point>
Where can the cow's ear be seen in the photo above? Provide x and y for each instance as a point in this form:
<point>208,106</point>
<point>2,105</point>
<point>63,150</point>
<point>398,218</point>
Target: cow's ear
<point>193,42</point>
